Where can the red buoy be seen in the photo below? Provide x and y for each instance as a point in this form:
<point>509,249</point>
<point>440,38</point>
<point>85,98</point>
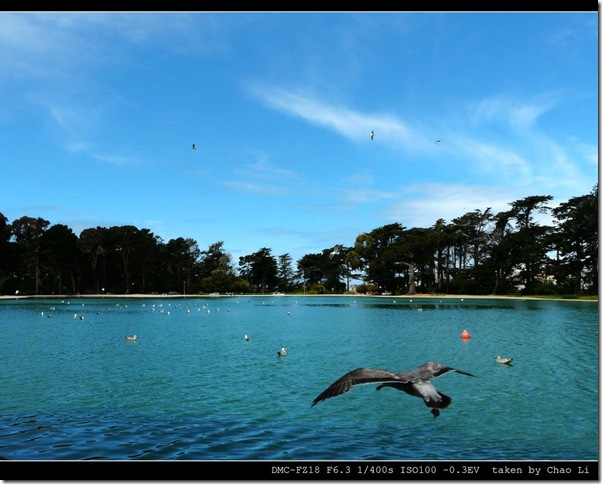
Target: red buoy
<point>465,335</point>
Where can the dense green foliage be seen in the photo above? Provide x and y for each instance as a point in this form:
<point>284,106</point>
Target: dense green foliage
<point>477,253</point>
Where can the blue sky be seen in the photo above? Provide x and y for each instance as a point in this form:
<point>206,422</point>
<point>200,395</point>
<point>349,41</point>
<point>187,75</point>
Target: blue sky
<point>98,112</point>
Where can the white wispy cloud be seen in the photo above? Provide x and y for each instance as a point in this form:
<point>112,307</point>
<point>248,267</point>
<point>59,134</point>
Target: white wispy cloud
<point>263,170</point>
<point>257,188</point>
<point>588,152</point>
<point>263,178</point>
<point>50,61</point>
<point>516,113</point>
<point>347,122</point>
<point>494,159</point>
<point>115,159</point>
<point>421,205</point>
<point>363,195</point>
<point>573,36</point>
<point>514,151</point>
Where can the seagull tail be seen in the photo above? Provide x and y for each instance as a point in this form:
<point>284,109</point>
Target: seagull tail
<point>443,402</point>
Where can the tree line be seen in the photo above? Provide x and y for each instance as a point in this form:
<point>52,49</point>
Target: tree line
<point>480,252</point>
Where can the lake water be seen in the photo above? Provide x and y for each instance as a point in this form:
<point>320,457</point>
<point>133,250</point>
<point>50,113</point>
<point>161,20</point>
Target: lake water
<point>192,388</point>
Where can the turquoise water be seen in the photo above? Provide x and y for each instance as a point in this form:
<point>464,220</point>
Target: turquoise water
<point>192,388</point>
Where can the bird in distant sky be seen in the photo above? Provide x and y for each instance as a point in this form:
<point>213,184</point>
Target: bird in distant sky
<point>372,135</point>
<point>193,146</point>
<point>438,141</point>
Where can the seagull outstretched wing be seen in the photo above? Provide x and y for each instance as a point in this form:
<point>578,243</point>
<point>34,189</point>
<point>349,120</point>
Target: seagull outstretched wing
<point>359,376</point>
<point>416,383</point>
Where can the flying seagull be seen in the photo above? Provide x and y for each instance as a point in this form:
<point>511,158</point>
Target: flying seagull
<point>372,135</point>
<point>438,141</point>
<point>336,250</point>
<point>193,146</point>
<point>416,383</point>
<point>504,361</point>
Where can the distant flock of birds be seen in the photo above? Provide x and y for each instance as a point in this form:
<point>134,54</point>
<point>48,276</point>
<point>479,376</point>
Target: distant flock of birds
<point>416,382</point>
<point>372,135</point>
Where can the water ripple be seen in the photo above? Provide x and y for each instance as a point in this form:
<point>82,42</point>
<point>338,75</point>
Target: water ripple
<point>191,388</point>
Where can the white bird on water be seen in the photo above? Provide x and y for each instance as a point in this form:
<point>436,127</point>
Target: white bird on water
<point>282,352</point>
<point>246,337</point>
<point>131,338</point>
<point>504,361</point>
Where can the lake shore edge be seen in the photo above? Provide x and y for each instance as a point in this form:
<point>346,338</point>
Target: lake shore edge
<point>214,296</point>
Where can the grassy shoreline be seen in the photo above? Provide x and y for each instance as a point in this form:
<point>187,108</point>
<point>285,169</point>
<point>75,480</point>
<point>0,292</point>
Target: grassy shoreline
<point>195,296</point>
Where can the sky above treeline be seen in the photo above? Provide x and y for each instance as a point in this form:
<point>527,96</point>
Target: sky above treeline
<point>100,112</point>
